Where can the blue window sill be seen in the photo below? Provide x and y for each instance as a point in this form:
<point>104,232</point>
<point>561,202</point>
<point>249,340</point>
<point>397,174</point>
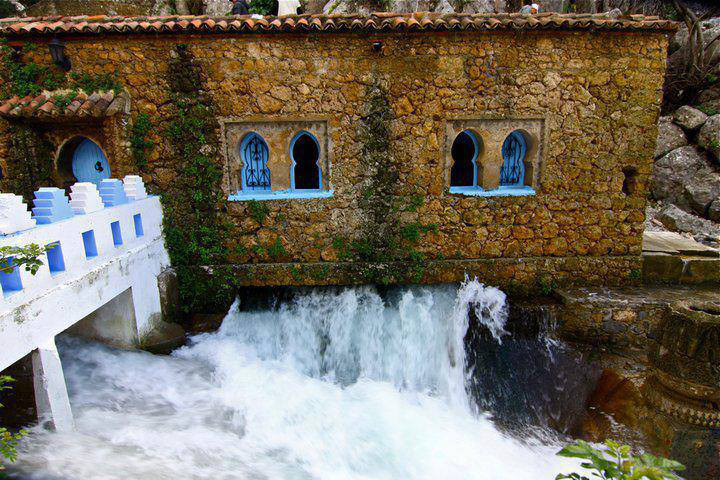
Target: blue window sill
<point>280,195</point>
<point>498,192</point>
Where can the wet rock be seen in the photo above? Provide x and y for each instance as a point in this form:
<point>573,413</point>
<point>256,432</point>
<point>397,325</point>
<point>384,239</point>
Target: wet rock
<point>674,170</point>
<point>614,395</point>
<point>714,210</point>
<point>701,192</point>
<point>679,220</point>
<point>709,137</point>
<point>670,137</point>
<point>689,118</point>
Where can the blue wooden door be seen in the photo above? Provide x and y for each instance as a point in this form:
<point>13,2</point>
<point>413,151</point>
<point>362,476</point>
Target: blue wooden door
<point>89,163</point>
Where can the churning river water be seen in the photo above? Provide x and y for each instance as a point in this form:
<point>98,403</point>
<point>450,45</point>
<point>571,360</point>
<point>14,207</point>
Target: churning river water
<point>333,384</point>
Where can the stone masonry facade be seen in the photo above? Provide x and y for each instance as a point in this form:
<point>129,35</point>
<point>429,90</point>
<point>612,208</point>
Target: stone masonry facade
<point>589,101</point>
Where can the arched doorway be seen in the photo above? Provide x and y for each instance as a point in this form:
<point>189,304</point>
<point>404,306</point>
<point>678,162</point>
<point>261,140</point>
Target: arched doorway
<point>82,160</point>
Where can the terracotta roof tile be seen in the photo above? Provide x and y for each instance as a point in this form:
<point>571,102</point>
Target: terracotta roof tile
<point>97,104</point>
<point>376,22</point>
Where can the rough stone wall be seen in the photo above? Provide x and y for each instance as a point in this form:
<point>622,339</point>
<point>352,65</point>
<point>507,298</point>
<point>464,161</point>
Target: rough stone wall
<point>90,7</point>
<point>598,95</point>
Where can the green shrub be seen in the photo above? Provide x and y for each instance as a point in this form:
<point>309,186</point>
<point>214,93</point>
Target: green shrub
<point>8,440</point>
<point>616,462</point>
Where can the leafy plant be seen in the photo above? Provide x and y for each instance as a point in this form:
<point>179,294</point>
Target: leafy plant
<point>262,7</point>
<point>8,440</point>
<point>616,462</point>
<point>140,144</point>
<point>16,257</point>
<point>258,211</point>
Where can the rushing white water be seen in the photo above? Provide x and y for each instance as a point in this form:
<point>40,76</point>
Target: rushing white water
<point>337,384</point>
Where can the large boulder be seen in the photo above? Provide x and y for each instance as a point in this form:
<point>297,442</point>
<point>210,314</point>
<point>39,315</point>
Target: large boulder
<point>709,137</point>
<point>670,137</point>
<point>674,170</point>
<point>701,191</point>
<point>689,118</point>
<point>678,220</point>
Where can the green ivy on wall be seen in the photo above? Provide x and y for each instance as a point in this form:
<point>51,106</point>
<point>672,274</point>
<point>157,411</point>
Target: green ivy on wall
<point>195,235</point>
<point>386,240</point>
<point>23,76</point>
<point>140,143</point>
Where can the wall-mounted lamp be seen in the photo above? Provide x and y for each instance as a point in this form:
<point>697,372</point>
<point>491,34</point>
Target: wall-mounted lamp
<point>57,52</point>
<point>377,46</point>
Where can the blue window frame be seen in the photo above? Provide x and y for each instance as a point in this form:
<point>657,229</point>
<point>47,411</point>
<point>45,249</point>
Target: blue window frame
<point>305,173</point>
<point>464,171</point>
<point>514,151</point>
<point>89,244</point>
<point>137,221</point>
<point>116,233</point>
<point>56,262</point>
<point>254,153</point>
<point>10,282</point>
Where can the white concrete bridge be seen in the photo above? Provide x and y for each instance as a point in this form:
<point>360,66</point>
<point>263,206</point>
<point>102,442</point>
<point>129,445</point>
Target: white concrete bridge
<point>98,280</point>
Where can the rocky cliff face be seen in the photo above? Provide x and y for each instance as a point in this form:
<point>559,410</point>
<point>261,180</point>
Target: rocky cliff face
<point>686,177</point>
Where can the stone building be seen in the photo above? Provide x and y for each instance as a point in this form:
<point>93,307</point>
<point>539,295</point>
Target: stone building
<point>385,148</point>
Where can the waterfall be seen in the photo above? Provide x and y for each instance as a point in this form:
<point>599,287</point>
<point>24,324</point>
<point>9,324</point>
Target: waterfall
<point>336,383</point>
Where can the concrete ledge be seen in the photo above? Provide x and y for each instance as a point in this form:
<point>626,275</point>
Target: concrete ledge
<point>517,275</point>
<point>661,268</point>
<point>622,317</point>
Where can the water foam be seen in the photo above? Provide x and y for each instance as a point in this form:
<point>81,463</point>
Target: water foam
<point>336,384</point>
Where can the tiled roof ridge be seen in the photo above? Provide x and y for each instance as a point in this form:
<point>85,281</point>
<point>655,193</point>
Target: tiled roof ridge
<point>379,21</point>
<point>83,104</point>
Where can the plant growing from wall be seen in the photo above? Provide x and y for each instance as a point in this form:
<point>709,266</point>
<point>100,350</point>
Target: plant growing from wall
<point>27,78</point>
<point>385,240</point>
<point>27,257</point>
<point>140,143</point>
<point>195,236</point>
<point>8,440</point>
<point>23,76</point>
<point>616,462</point>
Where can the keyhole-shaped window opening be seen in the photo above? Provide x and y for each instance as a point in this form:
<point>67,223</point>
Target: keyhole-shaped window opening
<point>254,153</point>
<point>514,151</point>
<point>305,152</point>
<point>464,152</point>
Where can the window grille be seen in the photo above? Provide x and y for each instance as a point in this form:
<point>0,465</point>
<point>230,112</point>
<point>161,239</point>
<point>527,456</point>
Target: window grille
<point>255,172</point>
<point>514,150</point>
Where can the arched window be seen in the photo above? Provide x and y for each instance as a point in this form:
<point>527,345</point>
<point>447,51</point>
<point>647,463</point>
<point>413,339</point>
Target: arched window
<point>305,152</point>
<point>255,172</point>
<point>465,150</point>
<point>514,150</point>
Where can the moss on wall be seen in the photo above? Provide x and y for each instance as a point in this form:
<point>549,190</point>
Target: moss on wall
<point>29,163</point>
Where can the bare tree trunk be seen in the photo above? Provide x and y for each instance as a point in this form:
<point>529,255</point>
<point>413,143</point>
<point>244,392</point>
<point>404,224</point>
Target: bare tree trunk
<point>181,7</point>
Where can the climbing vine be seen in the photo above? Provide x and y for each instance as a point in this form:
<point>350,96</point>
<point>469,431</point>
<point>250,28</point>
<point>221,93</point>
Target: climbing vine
<point>195,234</point>
<point>140,143</point>
<point>23,76</point>
<point>386,240</point>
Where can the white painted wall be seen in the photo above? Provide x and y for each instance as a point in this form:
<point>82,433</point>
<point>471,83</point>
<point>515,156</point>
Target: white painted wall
<point>49,304</point>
